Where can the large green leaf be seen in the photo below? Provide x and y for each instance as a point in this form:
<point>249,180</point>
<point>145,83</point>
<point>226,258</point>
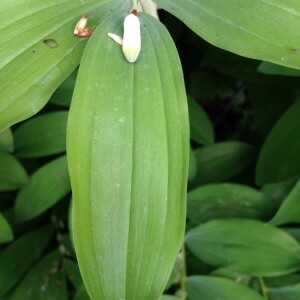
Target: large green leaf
<point>12,173</point>
<point>44,282</point>
<point>227,200</point>
<point>279,156</point>
<point>129,176</point>
<point>38,50</point>
<point>42,136</point>
<point>245,246</point>
<point>289,211</point>
<point>258,29</point>
<point>222,161</point>
<point>6,234</point>
<point>209,287</point>
<point>47,185</point>
<point>20,256</point>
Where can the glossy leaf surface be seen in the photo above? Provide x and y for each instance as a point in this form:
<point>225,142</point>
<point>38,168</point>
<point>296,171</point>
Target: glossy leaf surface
<point>226,200</point>
<point>247,246</point>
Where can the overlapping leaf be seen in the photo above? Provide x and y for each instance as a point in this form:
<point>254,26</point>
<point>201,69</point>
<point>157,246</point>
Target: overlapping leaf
<point>38,50</point>
<point>47,185</point>
<point>245,246</point>
<point>253,28</point>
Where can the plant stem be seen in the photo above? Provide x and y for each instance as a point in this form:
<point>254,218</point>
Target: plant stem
<point>263,287</point>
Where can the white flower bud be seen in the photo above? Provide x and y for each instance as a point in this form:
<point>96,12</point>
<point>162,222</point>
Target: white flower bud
<point>132,37</point>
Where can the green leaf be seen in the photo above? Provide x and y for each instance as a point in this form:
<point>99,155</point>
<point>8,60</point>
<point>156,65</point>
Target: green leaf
<point>73,273</point>
<point>192,165</point>
<point>245,246</point>
<point>227,200</point>
<point>63,95</point>
<point>273,69</point>
<point>6,140</point>
<point>6,233</point>
<point>46,187</point>
<point>42,136</point>
<point>30,67</point>
<point>209,287</point>
<point>222,161</point>
<point>289,211</point>
<point>12,173</point>
<point>200,124</point>
<point>45,281</point>
<point>284,293</point>
<point>129,176</point>
<point>279,156</point>
<point>20,256</point>
<point>263,30</point>
<point>81,294</point>
<point>168,297</point>
<point>277,192</point>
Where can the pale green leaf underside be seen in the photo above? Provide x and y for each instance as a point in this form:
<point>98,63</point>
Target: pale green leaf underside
<point>260,29</point>
<point>30,67</point>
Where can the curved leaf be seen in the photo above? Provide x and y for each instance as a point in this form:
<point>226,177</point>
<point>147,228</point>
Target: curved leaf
<point>209,287</point>
<point>227,200</point>
<point>30,67</point>
<point>42,136</point>
<point>201,127</point>
<point>129,207</point>
<point>73,273</point>
<point>20,256</point>
<point>222,161</point>
<point>6,233</point>
<point>291,292</point>
<point>45,281</point>
<point>81,294</point>
<point>245,246</point>
<point>279,156</point>
<point>289,211</point>
<point>273,69</point>
<point>63,95</point>
<point>12,173</point>
<point>47,186</point>
<point>257,29</point>
<point>6,140</point>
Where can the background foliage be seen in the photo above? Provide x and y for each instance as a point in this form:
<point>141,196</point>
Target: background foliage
<point>243,191</point>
